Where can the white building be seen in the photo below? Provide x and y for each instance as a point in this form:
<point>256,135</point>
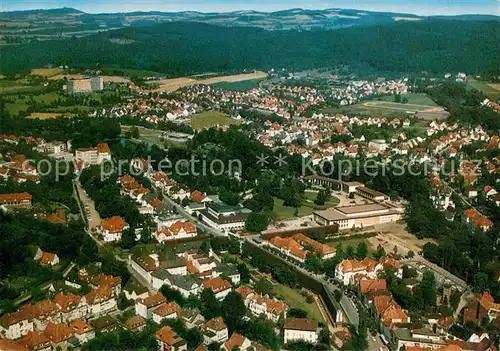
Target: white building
<point>305,329</point>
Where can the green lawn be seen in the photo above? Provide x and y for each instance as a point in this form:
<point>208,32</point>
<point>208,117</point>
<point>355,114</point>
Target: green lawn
<point>113,71</point>
<point>414,98</point>
<point>211,119</point>
<point>243,85</point>
<point>307,208</point>
<point>294,299</point>
<point>488,90</point>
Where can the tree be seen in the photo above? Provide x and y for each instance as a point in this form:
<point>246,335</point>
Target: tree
<point>426,291</point>
<point>322,197</point>
<point>128,238</point>
<point>296,313</point>
<point>234,310</point>
<point>397,98</point>
<point>411,254</point>
<point>244,273</point>
<point>480,282</point>
<point>325,337</point>
<point>211,307</point>
<point>256,222</point>
<point>338,295</point>
<point>379,253</point>
<point>362,250</point>
<point>134,132</point>
<point>264,287</point>
<point>313,263</point>
<point>205,247</point>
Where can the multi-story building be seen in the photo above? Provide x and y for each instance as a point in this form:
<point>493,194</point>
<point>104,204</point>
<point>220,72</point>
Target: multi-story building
<point>297,329</point>
<point>112,228</point>
<point>224,217</point>
<point>85,85</point>
<point>18,200</point>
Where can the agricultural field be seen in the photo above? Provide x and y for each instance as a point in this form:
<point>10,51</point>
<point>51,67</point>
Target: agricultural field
<point>243,85</point>
<point>44,115</point>
<point>418,105</point>
<point>492,91</point>
<point>296,300</point>
<point>47,72</point>
<point>169,85</point>
<point>211,119</point>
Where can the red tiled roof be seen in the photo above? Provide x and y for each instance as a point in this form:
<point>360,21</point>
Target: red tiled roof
<point>80,327</point>
<point>368,285</point>
<point>15,197</point>
<point>58,332</point>
<point>217,284</point>
<point>9,345</point>
<point>167,336</point>
<point>114,224</point>
<point>216,324</point>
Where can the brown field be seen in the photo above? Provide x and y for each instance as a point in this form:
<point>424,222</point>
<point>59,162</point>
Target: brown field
<point>44,115</point>
<point>62,76</point>
<point>46,72</point>
<point>495,86</point>
<point>169,85</point>
<point>115,79</point>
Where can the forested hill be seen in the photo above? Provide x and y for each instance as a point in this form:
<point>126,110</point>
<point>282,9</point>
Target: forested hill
<point>184,48</point>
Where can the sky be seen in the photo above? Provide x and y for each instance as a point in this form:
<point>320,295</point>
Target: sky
<point>419,7</point>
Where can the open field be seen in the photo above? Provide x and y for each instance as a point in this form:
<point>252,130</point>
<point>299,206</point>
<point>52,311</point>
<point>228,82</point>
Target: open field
<point>44,115</point>
<point>243,85</point>
<point>295,300</point>
<point>419,104</point>
<point>492,91</point>
<point>150,136</point>
<point>169,85</point>
<point>413,99</point>
<point>47,72</point>
<point>62,76</point>
<point>211,119</point>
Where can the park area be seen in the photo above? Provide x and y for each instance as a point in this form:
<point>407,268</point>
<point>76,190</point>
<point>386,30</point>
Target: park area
<point>209,119</point>
<point>306,209</point>
<point>295,299</point>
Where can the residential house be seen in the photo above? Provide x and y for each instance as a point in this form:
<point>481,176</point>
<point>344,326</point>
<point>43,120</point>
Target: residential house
<point>215,330</point>
<point>168,340</point>
<point>192,317</point>
<point>71,306</point>
<point>112,228</point>
<point>347,270</point>
<point>105,324</point>
<point>135,324</point>
<point>219,286</point>
<point>168,310</point>
<point>133,290</point>
<point>101,300</point>
<point>59,335</point>
<point>296,329</point>
<point>10,345</point>
<point>237,341</point>
<point>259,305</point>
<point>34,341</point>
<point>16,324</point>
<point>145,307</point>
<point>82,331</point>
<point>46,258</point>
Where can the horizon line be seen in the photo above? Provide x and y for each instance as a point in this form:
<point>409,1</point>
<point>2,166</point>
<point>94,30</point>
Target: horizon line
<point>253,10</point>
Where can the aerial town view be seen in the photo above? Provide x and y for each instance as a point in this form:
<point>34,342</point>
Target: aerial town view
<point>250,175</point>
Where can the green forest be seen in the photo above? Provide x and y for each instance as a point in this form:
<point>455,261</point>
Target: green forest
<point>185,48</point>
